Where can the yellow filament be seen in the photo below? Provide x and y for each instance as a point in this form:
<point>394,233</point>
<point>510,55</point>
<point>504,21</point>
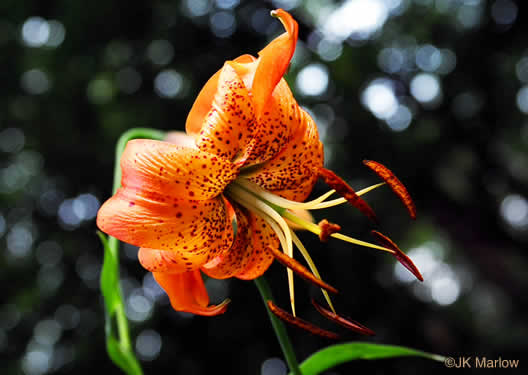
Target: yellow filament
<point>314,228</point>
<point>338,201</point>
<point>279,201</point>
<point>311,263</point>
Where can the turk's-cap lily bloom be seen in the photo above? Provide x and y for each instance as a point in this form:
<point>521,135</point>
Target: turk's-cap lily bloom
<point>225,197</point>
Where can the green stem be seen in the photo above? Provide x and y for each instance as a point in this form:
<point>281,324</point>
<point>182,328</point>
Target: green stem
<point>278,326</point>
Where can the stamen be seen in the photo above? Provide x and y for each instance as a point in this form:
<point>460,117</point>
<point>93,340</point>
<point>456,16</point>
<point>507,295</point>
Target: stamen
<point>394,183</point>
<point>343,189</point>
<point>327,229</point>
<point>398,254</point>
<point>316,230</point>
<point>347,323</point>
<point>279,201</point>
<point>338,201</point>
<point>300,323</point>
<point>311,263</point>
<point>300,270</point>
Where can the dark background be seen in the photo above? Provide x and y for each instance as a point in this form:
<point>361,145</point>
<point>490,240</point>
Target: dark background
<point>434,89</point>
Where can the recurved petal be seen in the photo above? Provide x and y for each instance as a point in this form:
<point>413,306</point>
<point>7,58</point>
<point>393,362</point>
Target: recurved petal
<point>202,104</point>
<point>187,293</point>
<point>263,237</point>
<point>163,260</point>
<point>273,61</point>
<point>238,256</point>
<point>229,125</point>
<point>290,173</point>
<point>187,173</point>
<point>195,231</point>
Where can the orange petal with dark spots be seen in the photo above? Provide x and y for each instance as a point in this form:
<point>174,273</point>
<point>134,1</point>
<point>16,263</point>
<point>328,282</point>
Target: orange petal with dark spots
<point>343,189</point>
<point>300,323</point>
<point>204,100</point>
<point>394,183</point>
<point>163,168</point>
<point>228,126</point>
<point>273,61</point>
<point>347,323</point>
<point>162,260</point>
<point>195,231</point>
<point>237,258</point>
<point>300,270</point>
<point>398,254</point>
<point>263,237</point>
<point>290,173</point>
<point>187,293</point>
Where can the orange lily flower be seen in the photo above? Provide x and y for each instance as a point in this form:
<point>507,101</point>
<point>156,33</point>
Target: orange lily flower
<point>224,199</point>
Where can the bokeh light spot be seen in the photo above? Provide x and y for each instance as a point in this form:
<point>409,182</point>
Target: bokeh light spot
<point>514,210</point>
<point>36,362</point>
<point>47,332</point>
<point>35,82</point>
<point>100,91</point>
<point>35,32</point>
<point>168,83</point>
<point>160,52</point>
<point>400,119</point>
<point>148,344</point>
<point>312,80</point>
<point>223,23</point>
<point>504,12</point>
<point>391,60</point>
<point>273,366</point>
<point>379,98</point>
<point>428,58</point>
<point>357,19</point>
<point>425,88</point>
<point>522,99</point>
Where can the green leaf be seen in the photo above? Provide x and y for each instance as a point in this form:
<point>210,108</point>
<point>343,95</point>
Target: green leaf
<point>337,354</point>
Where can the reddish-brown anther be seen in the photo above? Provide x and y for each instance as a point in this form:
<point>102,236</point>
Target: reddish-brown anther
<point>300,270</point>
<point>398,254</point>
<point>347,323</point>
<point>300,323</point>
<point>394,183</point>
<point>343,189</point>
<point>327,228</point>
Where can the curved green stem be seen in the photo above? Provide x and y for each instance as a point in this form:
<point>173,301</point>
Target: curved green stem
<point>278,327</point>
<point>119,346</point>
